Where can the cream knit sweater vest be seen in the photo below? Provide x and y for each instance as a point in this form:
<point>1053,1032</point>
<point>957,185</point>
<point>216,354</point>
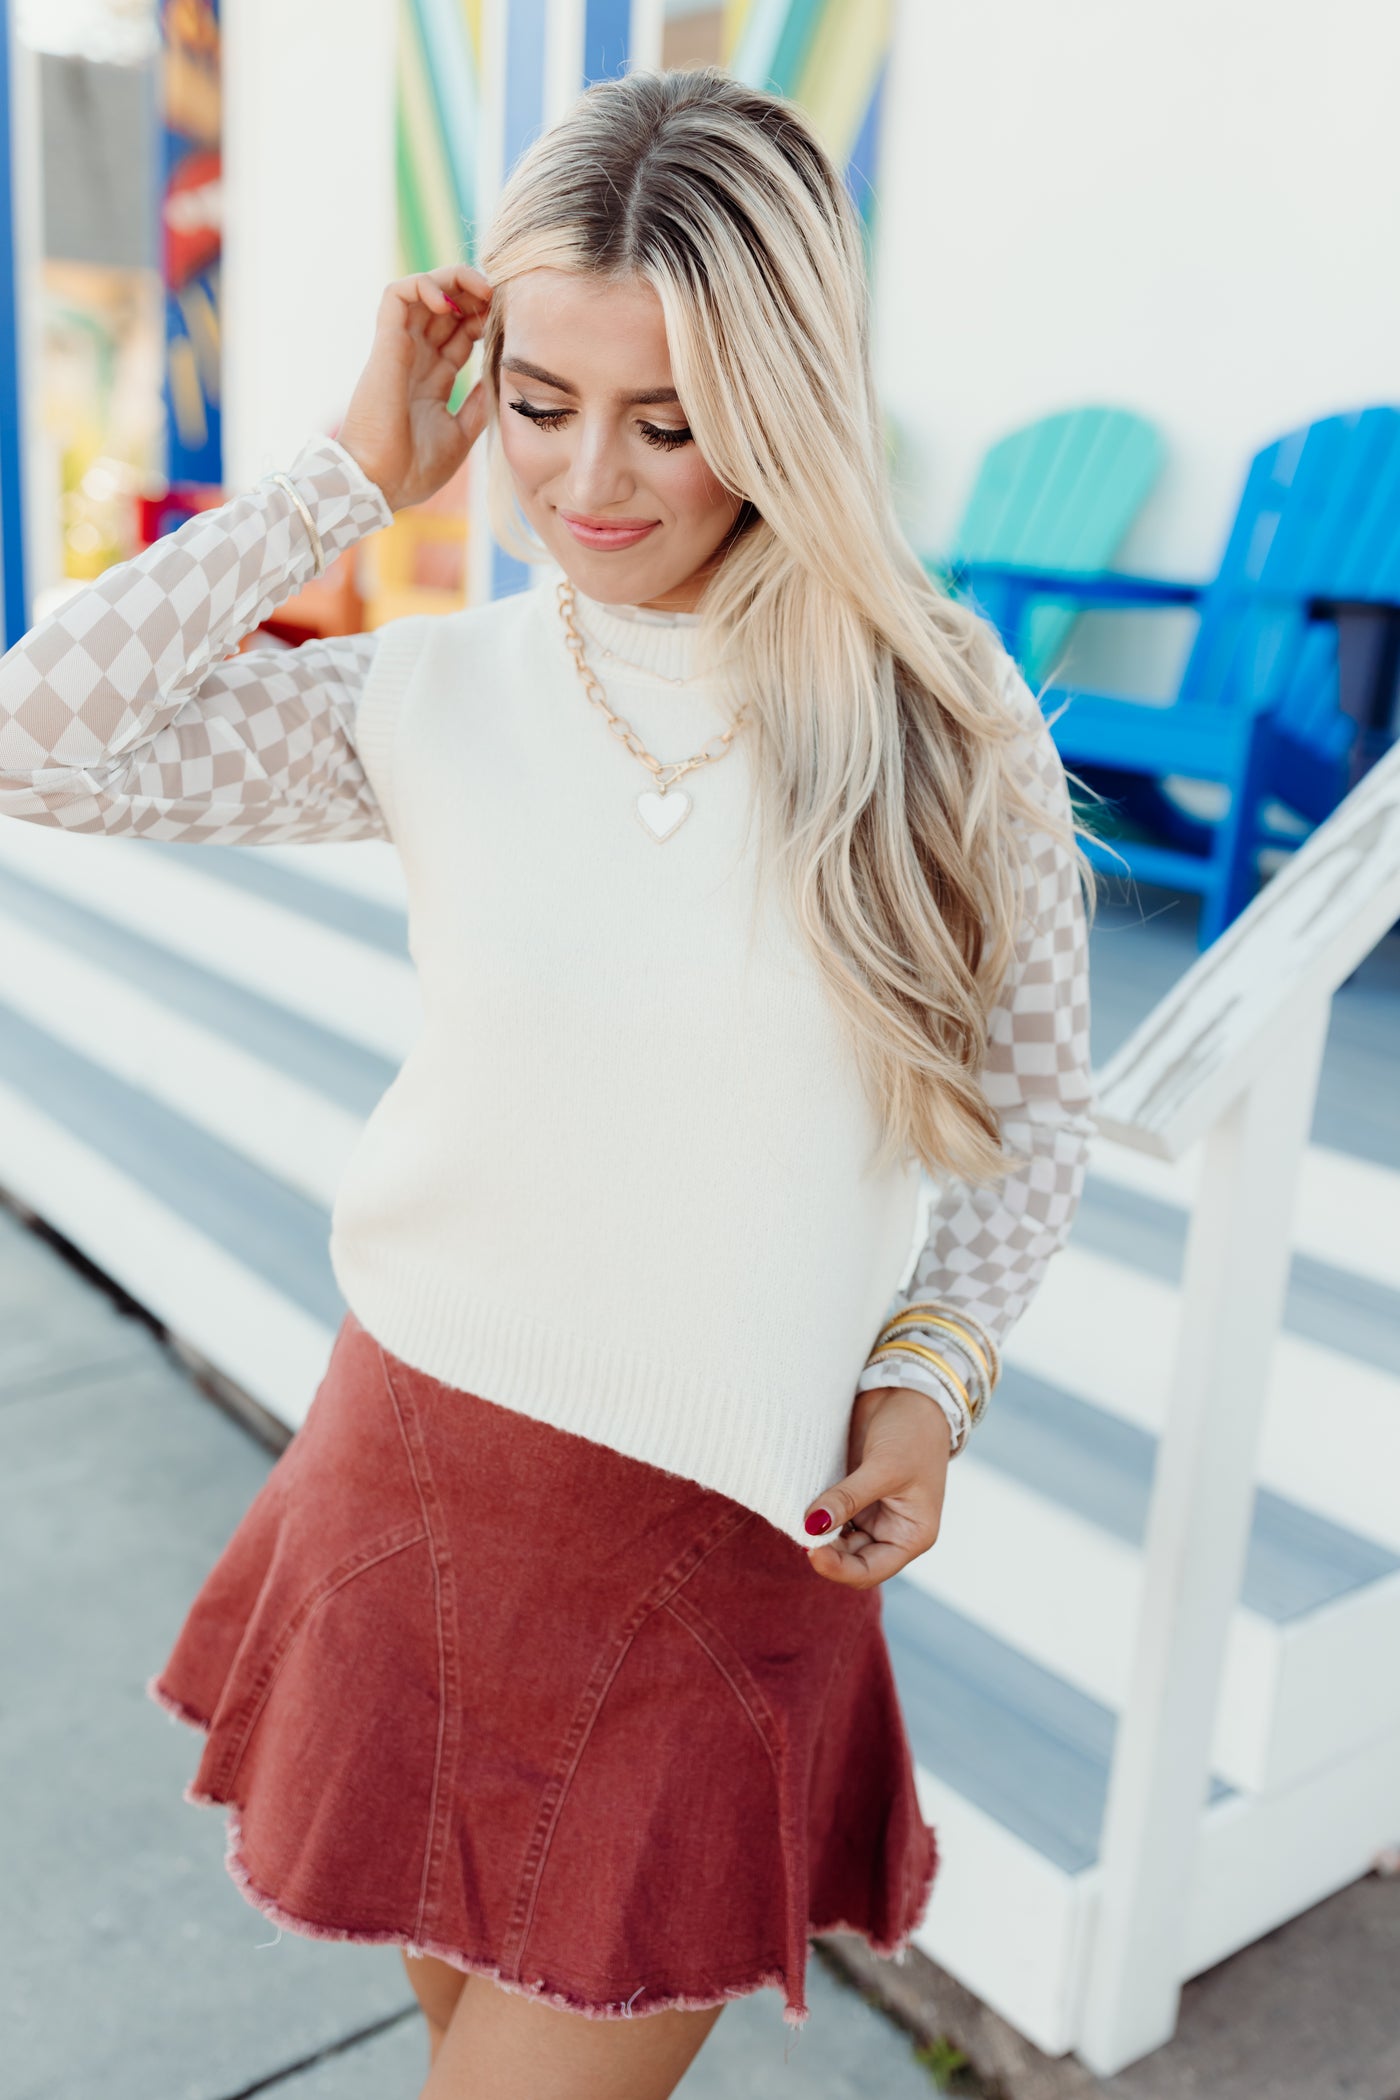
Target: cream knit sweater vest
<point>622,1181</point>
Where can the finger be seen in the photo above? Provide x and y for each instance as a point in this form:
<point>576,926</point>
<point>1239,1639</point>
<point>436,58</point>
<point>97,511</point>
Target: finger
<point>469,286</point>
<point>870,1482</point>
<point>858,1563</point>
<point>471,416</point>
<point>462,301</point>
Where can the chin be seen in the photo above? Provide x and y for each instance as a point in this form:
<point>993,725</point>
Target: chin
<point>608,579</point>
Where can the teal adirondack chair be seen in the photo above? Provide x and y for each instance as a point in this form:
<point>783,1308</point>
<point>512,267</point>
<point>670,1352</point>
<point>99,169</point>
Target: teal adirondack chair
<point>1258,711</point>
<point>1060,494</point>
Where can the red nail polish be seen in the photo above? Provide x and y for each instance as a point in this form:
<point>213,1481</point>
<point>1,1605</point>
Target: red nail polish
<point>819,1521</point>
<point>455,308</point>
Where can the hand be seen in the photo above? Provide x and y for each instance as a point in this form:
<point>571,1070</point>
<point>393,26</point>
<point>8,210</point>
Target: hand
<point>892,1496</point>
<point>397,427</point>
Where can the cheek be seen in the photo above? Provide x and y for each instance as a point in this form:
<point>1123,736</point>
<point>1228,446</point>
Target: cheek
<point>531,454</point>
<point>697,497</point>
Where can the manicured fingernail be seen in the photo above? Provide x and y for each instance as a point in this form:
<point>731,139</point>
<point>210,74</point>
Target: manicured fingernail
<point>818,1521</point>
<point>455,308</point>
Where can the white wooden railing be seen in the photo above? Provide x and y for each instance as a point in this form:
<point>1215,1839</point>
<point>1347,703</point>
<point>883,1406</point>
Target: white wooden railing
<point>1232,1056</point>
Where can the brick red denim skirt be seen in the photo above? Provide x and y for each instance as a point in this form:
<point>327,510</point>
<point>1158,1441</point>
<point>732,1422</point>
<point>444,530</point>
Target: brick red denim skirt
<point>483,1689</point>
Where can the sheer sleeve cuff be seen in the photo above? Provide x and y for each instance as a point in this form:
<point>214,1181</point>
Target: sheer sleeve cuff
<point>342,499</point>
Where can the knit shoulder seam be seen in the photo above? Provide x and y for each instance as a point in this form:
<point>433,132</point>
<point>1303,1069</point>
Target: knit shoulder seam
<point>398,647</point>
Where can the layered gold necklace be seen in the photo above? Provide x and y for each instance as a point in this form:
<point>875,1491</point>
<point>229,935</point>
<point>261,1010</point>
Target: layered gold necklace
<point>662,808</point>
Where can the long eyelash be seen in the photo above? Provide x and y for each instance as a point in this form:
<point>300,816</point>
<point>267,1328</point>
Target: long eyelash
<point>548,416</point>
<point>667,440</point>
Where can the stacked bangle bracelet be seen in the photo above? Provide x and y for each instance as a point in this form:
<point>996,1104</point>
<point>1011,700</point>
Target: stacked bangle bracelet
<point>976,1343</point>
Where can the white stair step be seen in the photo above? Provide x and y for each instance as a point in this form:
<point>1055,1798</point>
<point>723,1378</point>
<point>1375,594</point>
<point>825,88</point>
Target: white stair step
<point>1039,1545</point>
<point>1013,1774</point>
<point>1331,1433</point>
<point>1348,1213</point>
<point>337,978</point>
<point>1337,1306</point>
<point>277,1121</point>
<point>231,1304</point>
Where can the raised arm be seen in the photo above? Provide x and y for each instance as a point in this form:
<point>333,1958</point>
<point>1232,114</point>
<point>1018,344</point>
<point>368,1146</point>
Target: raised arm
<point>128,709</point>
<point>988,1248</point>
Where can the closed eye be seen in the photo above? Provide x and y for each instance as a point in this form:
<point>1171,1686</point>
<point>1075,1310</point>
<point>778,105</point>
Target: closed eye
<point>658,434</point>
<point>550,417</point>
<point>667,440</point>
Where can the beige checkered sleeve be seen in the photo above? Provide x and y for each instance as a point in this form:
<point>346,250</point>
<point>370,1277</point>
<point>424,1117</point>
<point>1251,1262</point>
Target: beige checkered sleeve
<point>988,1248</point>
<point>129,710</point>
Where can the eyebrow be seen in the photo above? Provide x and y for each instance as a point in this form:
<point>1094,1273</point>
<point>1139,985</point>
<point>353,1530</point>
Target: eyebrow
<point>652,397</point>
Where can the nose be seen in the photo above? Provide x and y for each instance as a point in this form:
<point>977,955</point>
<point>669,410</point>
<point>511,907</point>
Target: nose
<point>599,478</point>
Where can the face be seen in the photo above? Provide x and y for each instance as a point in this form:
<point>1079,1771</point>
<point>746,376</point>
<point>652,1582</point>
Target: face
<point>604,466</point>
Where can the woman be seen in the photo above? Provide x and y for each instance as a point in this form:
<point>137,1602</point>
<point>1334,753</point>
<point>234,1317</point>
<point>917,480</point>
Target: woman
<point>550,1650</point>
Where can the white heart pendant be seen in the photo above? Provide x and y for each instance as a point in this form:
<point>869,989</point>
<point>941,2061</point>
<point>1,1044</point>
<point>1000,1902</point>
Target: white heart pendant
<point>662,814</point>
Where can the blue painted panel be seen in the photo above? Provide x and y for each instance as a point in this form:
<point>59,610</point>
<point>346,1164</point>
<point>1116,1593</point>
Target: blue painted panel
<point>607,33</point>
<point>863,165</point>
<point>526,31</point>
<point>507,574</point>
<point>192,261</point>
<point>527,26</point>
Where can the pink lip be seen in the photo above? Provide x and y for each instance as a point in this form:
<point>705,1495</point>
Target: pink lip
<point>607,533</point>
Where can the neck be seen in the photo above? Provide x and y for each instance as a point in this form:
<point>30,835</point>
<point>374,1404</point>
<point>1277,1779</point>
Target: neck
<point>629,640</point>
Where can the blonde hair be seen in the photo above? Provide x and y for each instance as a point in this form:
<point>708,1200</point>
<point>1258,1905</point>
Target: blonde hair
<point>889,790</point>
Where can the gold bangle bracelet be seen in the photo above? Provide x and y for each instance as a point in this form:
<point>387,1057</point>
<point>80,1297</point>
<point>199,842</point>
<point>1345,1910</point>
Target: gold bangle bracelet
<point>941,1314</point>
<point>953,1327</point>
<point>880,1355</point>
<point>969,1411</point>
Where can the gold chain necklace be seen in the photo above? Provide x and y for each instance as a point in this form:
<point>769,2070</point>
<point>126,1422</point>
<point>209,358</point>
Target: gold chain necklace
<point>661,810</point>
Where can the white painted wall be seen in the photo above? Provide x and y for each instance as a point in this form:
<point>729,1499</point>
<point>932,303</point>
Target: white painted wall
<point>1189,209</point>
<point>309,216</point>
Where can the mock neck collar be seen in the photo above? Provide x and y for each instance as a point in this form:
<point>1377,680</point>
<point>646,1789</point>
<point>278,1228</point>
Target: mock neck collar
<point>637,641</point>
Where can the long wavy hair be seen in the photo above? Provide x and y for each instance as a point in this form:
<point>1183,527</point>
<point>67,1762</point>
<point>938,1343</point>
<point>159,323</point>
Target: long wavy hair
<point>889,790</point>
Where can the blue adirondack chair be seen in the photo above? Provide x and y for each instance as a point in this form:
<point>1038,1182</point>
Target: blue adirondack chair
<point>1257,710</point>
<point>1058,494</point>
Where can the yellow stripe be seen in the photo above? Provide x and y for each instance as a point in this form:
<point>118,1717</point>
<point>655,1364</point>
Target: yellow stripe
<point>736,13</point>
<point>842,65</point>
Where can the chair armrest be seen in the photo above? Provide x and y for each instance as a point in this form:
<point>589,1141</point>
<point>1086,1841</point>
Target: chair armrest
<point>1079,587</point>
<point>1004,592</point>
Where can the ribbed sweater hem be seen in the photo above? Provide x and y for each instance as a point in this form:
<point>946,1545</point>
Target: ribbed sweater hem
<point>773,1454</point>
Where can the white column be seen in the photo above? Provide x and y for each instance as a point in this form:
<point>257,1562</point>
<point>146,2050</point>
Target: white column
<point>1233,1287</point>
<point>310,236</point>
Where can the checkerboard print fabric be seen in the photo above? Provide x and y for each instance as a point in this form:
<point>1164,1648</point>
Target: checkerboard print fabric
<point>988,1248</point>
<point>128,709</point>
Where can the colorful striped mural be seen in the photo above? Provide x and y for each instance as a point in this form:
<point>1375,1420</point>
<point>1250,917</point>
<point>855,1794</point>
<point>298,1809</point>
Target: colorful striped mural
<point>829,55</point>
<point>437,131</point>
